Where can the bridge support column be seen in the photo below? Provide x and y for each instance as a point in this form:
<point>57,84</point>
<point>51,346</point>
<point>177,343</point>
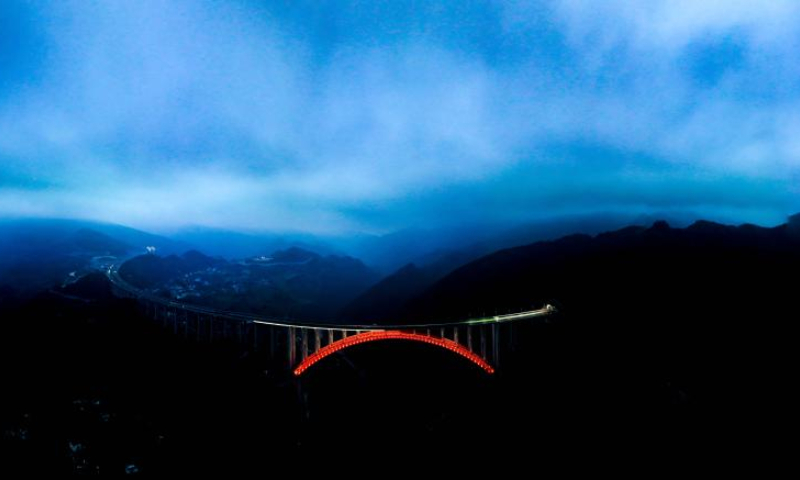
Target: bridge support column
<point>186,324</point>
<point>317,340</point>
<point>469,338</point>
<point>304,342</point>
<point>483,342</point>
<point>292,353</point>
<point>495,345</point>
<point>272,333</point>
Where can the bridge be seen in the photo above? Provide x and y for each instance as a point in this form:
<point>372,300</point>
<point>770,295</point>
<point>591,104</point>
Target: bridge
<point>297,346</point>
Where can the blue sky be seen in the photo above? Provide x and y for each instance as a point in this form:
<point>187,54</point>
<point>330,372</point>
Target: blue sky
<point>343,116</point>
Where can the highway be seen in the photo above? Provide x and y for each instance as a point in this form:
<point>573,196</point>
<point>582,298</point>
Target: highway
<point>120,283</point>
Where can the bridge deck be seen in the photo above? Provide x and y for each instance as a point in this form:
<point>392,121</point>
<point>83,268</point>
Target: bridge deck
<point>119,282</point>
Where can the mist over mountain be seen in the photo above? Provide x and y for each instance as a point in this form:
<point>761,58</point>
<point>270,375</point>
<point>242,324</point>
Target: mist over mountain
<point>37,254</point>
<point>42,253</point>
<point>232,244</point>
<point>30,236</point>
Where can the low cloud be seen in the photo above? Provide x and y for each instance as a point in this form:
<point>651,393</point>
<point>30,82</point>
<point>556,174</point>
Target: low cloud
<point>237,115</point>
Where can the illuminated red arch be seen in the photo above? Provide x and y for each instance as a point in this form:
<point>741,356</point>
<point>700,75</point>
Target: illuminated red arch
<point>391,335</point>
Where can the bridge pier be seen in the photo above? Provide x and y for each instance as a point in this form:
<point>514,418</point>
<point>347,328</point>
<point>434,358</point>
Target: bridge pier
<point>492,339</point>
<point>198,329</point>
<point>495,345</point>
<point>271,331</point>
<point>291,341</point>
<point>509,338</point>
<point>495,335</point>
<point>185,322</point>
<point>483,342</point>
<point>304,342</point>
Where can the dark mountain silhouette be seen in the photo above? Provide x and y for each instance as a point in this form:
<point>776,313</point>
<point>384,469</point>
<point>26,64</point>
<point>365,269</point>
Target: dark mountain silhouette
<point>668,341</point>
<point>93,286</point>
<point>651,317</point>
<point>466,242</point>
<point>384,299</point>
<point>388,297</point>
<point>294,255</point>
<point>149,270</point>
<point>194,260</point>
<point>292,283</point>
<point>231,244</point>
<point>635,266</point>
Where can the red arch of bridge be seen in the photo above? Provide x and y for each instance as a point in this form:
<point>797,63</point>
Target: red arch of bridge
<point>391,335</point>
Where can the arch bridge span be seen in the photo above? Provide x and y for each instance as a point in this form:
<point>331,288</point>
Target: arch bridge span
<point>296,346</point>
<point>380,335</point>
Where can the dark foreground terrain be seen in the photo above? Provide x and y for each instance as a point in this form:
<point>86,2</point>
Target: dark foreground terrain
<point>669,344</point>
<point>92,387</point>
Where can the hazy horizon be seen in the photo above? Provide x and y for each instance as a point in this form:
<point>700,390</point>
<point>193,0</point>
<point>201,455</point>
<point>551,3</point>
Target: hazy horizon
<point>341,117</point>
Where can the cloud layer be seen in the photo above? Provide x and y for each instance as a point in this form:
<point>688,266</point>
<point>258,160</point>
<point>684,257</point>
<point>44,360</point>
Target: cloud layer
<point>343,116</point>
